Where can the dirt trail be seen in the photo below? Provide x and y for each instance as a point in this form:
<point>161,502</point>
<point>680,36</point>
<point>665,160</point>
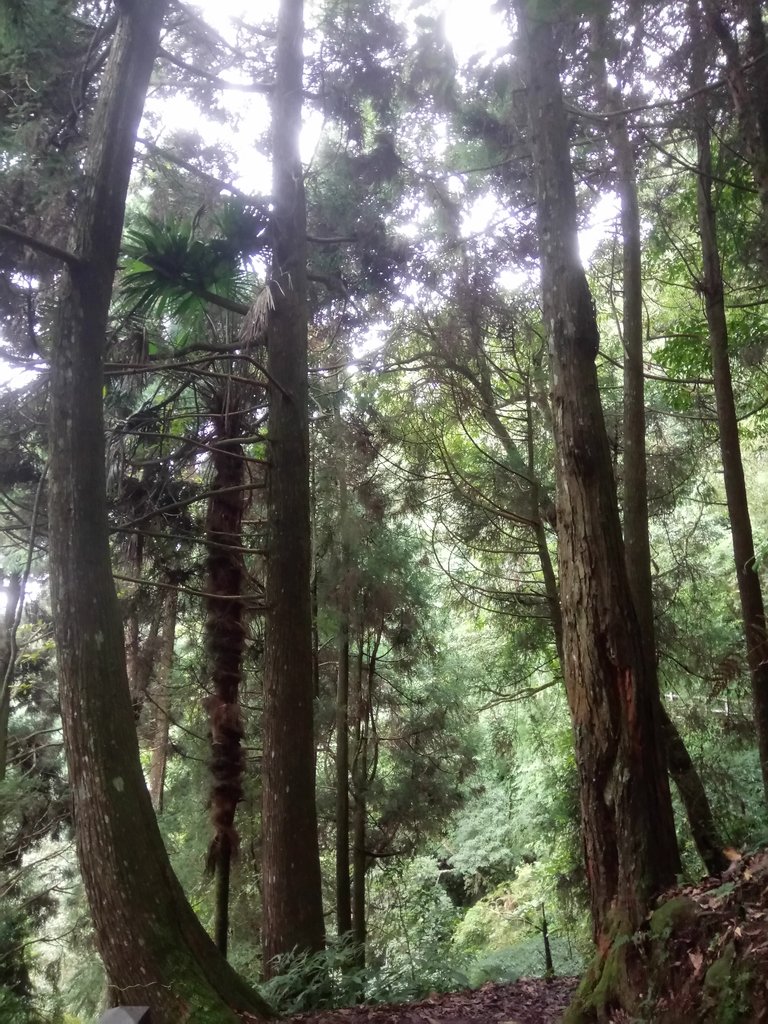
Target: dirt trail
<point>528,1001</point>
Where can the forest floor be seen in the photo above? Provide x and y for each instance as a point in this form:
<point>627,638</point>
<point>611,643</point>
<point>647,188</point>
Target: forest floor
<point>528,1001</point>
<point>702,955</point>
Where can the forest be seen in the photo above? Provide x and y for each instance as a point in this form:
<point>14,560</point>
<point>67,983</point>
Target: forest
<point>383,511</point>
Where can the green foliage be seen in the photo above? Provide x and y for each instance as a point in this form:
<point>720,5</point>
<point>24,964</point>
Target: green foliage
<point>317,981</point>
<point>411,942</point>
<point>525,959</point>
<point>484,846</point>
<point>557,11</point>
<point>470,781</point>
<point>15,1009</point>
<point>170,267</point>
<point>30,25</point>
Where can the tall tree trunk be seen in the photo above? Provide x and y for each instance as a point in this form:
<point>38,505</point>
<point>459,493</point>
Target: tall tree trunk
<point>162,704</point>
<point>343,878</point>
<point>637,546</point>
<point>360,807</point>
<point>293,912</point>
<point>750,591</point>
<point>551,586</point>
<point>154,949</point>
<point>7,660</point>
<point>627,825</point>
<point>225,639</point>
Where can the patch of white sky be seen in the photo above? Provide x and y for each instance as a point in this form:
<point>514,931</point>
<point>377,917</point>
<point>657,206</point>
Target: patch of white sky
<point>473,28</point>
<point>477,32</point>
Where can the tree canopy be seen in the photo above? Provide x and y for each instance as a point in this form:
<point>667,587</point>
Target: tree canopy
<point>382,488</point>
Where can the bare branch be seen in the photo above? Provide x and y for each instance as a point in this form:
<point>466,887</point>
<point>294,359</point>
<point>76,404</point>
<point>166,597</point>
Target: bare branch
<point>40,246</point>
<point>265,88</point>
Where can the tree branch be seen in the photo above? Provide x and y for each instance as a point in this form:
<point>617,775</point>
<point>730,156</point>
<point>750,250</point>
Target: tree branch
<point>660,104</point>
<point>39,246</point>
<point>265,88</point>
<point>243,599</point>
<point>259,203</point>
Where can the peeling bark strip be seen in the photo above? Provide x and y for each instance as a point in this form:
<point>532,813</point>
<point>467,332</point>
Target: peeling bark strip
<point>627,826</point>
<point>293,912</point>
<point>154,949</point>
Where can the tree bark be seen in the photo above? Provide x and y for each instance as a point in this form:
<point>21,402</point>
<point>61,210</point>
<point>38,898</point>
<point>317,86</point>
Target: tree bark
<point>637,546</point>
<point>225,638</point>
<point>706,835</point>
<point>343,877</point>
<point>293,913</point>
<point>627,825</point>
<point>750,591</point>
<point>154,949</point>
<point>162,704</point>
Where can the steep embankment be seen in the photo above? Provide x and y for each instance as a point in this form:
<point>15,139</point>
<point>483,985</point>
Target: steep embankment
<point>701,959</point>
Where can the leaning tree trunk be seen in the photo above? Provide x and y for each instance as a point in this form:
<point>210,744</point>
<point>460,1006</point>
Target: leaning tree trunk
<point>154,949</point>
<point>225,640</point>
<point>637,545</point>
<point>627,824</point>
<point>750,591</point>
<point>293,912</point>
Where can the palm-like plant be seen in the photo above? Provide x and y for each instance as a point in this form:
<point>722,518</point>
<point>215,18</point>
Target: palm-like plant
<point>171,270</point>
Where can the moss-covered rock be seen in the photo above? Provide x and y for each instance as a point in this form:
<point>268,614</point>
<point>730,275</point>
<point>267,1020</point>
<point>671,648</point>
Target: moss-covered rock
<point>674,914</point>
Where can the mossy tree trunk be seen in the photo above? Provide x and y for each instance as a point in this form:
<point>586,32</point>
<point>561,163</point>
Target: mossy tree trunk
<point>154,949</point>
<point>343,877</point>
<point>293,913</point>
<point>627,824</point>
